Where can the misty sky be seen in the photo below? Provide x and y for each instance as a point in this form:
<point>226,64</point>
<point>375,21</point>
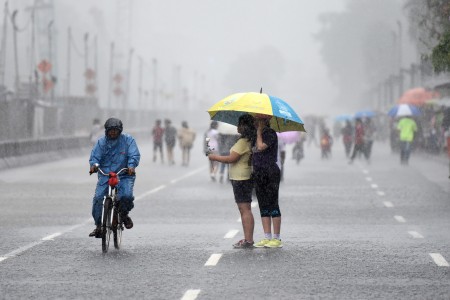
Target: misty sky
<point>235,45</point>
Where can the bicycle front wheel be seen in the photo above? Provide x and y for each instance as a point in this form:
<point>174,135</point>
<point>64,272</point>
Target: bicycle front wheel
<point>117,228</point>
<point>106,224</point>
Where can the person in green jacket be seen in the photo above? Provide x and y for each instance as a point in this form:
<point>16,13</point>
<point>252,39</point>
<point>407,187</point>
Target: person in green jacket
<point>407,128</point>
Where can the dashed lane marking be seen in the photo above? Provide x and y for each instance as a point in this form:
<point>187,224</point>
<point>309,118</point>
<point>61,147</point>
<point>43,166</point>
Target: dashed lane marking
<point>51,236</point>
<point>54,235</point>
<point>231,234</point>
<point>439,259</point>
<point>369,178</point>
<point>380,193</point>
<point>415,234</point>
<point>213,259</point>
<point>191,295</point>
<point>374,186</point>
<point>365,172</point>
<point>400,219</point>
<point>388,204</point>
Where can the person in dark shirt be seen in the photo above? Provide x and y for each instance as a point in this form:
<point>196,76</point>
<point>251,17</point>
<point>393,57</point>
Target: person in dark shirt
<point>267,175</point>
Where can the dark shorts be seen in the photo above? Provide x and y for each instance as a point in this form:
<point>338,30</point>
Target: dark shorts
<point>242,190</point>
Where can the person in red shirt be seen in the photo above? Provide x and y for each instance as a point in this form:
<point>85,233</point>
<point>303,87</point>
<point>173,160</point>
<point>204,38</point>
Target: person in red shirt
<point>359,140</point>
<point>157,133</point>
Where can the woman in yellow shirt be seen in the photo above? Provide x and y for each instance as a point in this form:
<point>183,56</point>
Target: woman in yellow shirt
<point>240,176</point>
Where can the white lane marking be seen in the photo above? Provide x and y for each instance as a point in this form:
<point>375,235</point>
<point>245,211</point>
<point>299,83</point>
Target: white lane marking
<point>213,259</point>
<point>191,295</point>
<point>365,172</point>
<point>150,192</point>
<point>253,204</point>
<point>439,259</point>
<point>415,234</point>
<point>231,234</point>
<point>374,186</point>
<point>51,236</point>
<point>388,204</point>
<point>380,193</point>
<point>400,219</point>
<point>369,178</point>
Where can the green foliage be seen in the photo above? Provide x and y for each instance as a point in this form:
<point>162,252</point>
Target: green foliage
<point>440,56</point>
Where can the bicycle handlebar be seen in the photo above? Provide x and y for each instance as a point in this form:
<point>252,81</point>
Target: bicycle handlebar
<point>118,173</point>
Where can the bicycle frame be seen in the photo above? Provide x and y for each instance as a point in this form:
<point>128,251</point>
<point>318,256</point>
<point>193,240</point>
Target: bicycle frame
<point>111,218</point>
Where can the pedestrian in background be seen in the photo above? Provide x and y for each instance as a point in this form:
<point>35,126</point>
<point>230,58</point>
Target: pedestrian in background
<point>212,135</point>
<point>240,176</point>
<point>266,175</point>
<point>369,137</point>
<point>407,127</point>
<point>446,127</point>
<point>157,133</point>
<point>186,137</point>
<point>358,148</point>
<point>347,137</point>
<point>170,136</point>
<point>96,131</point>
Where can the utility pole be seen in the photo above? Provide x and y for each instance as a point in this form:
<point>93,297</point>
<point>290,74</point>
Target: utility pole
<point>86,62</point>
<point>69,65</point>
<point>127,91</point>
<point>400,73</point>
<point>16,54</point>
<point>111,74</point>
<point>140,83</point>
<point>3,46</point>
<point>50,58</point>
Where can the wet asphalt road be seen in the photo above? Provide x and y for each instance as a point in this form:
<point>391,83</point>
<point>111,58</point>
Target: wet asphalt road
<point>378,231</point>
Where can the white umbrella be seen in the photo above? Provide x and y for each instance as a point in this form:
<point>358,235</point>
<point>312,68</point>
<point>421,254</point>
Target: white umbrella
<point>225,128</point>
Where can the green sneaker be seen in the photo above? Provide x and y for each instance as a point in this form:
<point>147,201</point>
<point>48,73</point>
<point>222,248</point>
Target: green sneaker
<point>274,243</point>
<point>261,243</point>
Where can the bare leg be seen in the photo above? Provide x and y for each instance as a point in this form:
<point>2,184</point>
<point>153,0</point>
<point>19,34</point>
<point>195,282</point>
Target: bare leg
<point>276,225</point>
<point>266,223</point>
<point>248,222</point>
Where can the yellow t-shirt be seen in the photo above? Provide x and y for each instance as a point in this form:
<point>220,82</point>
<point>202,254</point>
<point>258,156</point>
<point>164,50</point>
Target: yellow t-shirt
<point>241,170</point>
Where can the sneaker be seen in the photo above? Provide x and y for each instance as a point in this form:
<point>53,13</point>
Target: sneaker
<point>96,232</point>
<point>243,244</point>
<point>261,243</point>
<point>274,243</point>
<point>128,222</point>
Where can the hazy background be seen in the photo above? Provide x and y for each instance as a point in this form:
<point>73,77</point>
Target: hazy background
<point>200,51</point>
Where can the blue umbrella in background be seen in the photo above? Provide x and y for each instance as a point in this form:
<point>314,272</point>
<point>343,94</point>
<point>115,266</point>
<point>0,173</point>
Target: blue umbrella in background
<point>404,110</point>
<point>340,118</point>
<point>364,114</point>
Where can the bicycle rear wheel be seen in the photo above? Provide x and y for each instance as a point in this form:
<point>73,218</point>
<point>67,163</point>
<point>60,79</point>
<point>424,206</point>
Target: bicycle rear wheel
<point>106,224</point>
<point>117,228</point>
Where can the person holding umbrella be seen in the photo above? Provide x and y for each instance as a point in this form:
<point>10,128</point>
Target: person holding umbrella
<point>267,176</point>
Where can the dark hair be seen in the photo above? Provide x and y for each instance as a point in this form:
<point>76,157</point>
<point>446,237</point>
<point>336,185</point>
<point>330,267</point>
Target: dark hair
<point>214,125</point>
<point>249,130</point>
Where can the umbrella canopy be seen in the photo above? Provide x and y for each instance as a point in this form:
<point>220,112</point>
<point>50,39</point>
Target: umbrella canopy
<point>364,114</point>
<point>340,118</point>
<point>417,96</point>
<point>404,110</point>
<point>289,137</point>
<point>229,109</point>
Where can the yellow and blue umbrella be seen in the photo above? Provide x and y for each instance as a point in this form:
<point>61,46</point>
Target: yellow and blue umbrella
<point>229,109</point>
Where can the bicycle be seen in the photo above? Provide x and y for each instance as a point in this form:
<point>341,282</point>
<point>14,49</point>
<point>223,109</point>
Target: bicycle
<point>111,217</point>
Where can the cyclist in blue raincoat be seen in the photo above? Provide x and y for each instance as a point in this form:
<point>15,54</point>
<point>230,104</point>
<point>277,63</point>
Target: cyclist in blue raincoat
<point>112,152</point>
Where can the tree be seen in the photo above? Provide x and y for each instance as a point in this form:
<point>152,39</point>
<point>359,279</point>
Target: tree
<point>431,30</point>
